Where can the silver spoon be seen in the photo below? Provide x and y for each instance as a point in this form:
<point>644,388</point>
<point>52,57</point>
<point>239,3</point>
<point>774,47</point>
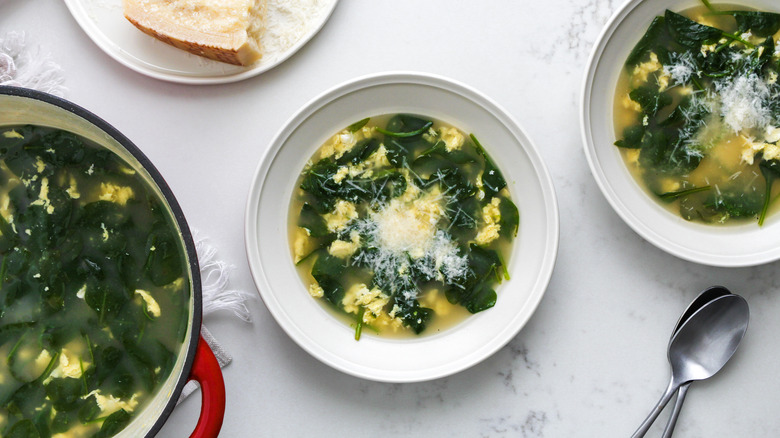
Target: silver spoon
<point>702,345</point>
<point>700,301</point>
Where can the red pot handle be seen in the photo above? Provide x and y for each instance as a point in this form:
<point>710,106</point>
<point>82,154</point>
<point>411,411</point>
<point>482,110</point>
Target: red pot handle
<point>206,371</point>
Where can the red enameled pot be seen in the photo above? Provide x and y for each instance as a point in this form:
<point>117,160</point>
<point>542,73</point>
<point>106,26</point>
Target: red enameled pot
<point>195,361</point>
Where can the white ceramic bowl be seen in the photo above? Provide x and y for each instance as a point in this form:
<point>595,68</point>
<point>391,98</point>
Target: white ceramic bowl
<point>312,326</point>
<point>733,245</point>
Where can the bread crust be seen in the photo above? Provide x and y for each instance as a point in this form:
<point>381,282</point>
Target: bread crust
<point>232,48</point>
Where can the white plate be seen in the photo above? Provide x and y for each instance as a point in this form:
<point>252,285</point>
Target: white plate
<point>431,356</point>
<point>104,22</point>
<point>733,245</point>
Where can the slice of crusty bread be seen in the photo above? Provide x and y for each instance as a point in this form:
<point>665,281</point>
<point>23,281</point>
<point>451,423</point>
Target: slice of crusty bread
<point>223,30</point>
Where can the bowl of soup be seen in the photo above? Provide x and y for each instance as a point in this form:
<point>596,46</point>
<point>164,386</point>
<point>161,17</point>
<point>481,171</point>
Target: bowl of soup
<point>681,125</point>
<point>101,289</point>
<point>401,227</point>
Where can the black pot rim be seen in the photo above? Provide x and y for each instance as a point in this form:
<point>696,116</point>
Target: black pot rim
<point>178,216</point>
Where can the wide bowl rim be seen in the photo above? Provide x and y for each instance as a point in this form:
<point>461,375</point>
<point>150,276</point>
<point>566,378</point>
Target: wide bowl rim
<point>619,205</point>
<point>367,81</point>
<point>178,216</point>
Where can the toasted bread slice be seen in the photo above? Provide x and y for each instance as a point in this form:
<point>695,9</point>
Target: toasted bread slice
<point>223,30</point>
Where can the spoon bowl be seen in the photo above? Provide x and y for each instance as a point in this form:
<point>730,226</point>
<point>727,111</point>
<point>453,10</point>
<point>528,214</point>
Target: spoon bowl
<point>702,346</point>
<point>708,339</point>
<point>703,299</point>
<point>700,301</point>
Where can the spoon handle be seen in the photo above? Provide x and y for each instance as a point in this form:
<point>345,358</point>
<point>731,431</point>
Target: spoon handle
<point>645,426</point>
<point>676,410</point>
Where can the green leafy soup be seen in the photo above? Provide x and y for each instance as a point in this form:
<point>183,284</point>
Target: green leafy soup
<point>94,287</point>
<point>697,112</point>
<point>403,225</point>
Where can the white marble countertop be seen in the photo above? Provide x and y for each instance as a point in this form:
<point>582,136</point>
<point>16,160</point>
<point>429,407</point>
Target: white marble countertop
<point>591,361</point>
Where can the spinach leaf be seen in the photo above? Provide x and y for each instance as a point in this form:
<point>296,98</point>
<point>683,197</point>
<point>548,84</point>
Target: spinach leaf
<point>416,132</point>
<point>689,33</point>
<point>671,196</point>
<point>453,184</point>
<point>163,260</point>
<point>143,366</point>
<point>359,152</point>
<point>650,99</point>
<point>318,181</point>
<point>62,421</point>
<point>122,383</point>
<point>387,185</point>
<point>106,361</point>
<point>426,165</point>
<point>22,163</point>
<point>737,204</point>
<point>762,24</point>
<point>113,424</point>
<point>632,137</point>
<point>760,58</point>
<point>439,149</point>
<point>355,127</point>
<point>481,297</point>
<point>27,398</point>
<point>64,393</point>
<point>103,213</point>
<point>41,421</point>
<point>8,239</point>
<point>23,429</point>
<point>327,270</point>
<point>406,124</point>
<point>483,263</point>
<point>17,260</point>
<point>106,301</point>
<point>723,62</point>
<point>652,38</point>
<point>475,299</point>
<point>398,154</point>
<point>312,221</point>
<point>510,218</point>
<point>17,139</point>
<point>413,314</point>
<point>463,214</point>
<point>13,290</point>
<point>89,410</point>
<point>63,148</point>
<point>55,336</point>
<point>667,155</point>
<point>492,179</point>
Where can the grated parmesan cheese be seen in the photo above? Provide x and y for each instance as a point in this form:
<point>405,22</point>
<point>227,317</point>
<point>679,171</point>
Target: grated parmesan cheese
<point>409,227</point>
<point>681,67</point>
<point>288,21</point>
<point>743,102</point>
<point>405,236</point>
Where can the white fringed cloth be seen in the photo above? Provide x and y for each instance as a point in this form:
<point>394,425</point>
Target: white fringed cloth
<point>214,277</point>
<point>24,65</point>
